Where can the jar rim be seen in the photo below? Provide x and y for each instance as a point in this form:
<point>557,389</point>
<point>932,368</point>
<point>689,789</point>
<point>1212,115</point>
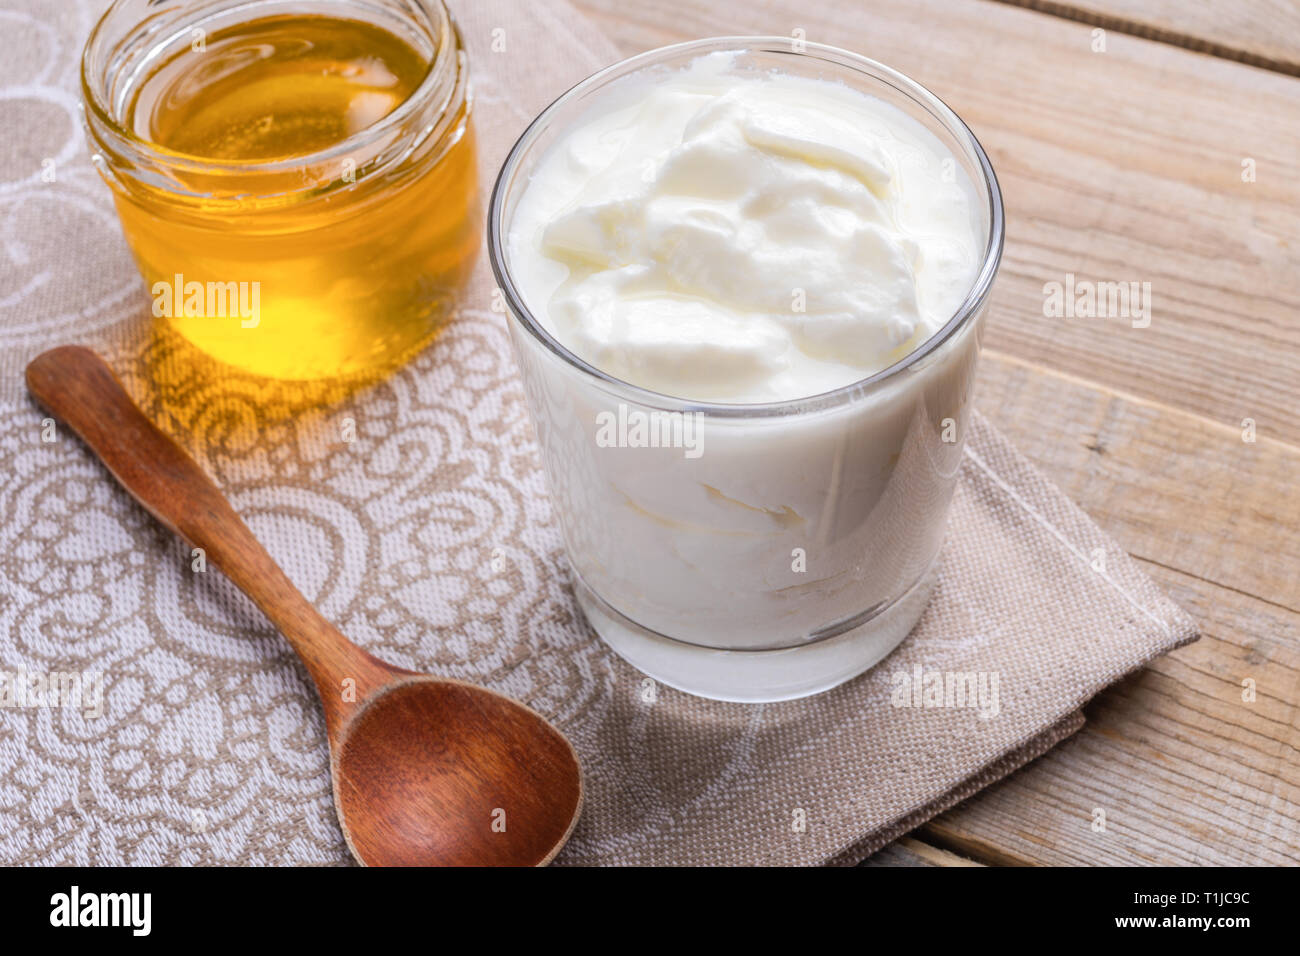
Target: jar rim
<point>970,308</point>
<point>445,63</point>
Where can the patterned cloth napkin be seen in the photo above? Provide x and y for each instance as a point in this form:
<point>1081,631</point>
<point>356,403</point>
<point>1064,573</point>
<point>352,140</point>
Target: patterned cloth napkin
<point>429,539</point>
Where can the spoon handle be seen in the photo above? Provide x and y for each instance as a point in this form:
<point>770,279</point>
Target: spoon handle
<point>77,386</point>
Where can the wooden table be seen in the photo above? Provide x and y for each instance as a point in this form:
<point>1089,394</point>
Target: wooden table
<point>1162,157</point>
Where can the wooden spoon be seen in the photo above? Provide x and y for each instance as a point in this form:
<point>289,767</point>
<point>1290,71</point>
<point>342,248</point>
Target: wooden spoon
<point>426,770</point>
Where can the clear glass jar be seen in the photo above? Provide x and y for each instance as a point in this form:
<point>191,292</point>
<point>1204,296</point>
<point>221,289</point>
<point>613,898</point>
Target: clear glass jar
<point>801,544</point>
<point>351,255</point>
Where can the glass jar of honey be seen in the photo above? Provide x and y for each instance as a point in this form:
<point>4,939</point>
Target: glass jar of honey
<point>296,178</point>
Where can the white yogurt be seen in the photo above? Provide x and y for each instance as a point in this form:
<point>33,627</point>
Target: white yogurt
<point>720,233</point>
<point>751,239</point>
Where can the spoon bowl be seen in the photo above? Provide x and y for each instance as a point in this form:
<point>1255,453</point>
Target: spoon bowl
<point>426,770</point>
<point>437,769</point>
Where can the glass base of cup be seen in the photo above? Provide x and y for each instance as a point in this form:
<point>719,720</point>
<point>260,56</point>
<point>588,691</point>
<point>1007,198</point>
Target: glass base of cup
<point>754,677</point>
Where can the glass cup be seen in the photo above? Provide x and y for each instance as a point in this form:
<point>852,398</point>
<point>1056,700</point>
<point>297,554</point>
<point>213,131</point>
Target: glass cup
<point>338,263</point>
<point>762,551</point>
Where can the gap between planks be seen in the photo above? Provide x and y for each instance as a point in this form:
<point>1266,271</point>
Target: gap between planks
<point>1171,735</point>
<point>1160,34</point>
<point>1129,397</point>
<point>909,851</point>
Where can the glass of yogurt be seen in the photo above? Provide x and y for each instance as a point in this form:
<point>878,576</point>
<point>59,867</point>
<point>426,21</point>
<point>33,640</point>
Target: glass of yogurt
<point>745,279</point>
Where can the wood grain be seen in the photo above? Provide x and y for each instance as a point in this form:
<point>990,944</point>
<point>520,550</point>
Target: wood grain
<point>1173,488</point>
<point>1186,771</point>
<point>909,851</point>
<point>1263,33</point>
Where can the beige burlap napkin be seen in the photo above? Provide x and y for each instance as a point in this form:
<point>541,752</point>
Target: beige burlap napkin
<point>429,539</point>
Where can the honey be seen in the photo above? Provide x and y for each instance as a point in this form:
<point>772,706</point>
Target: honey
<point>276,88</point>
<point>299,190</point>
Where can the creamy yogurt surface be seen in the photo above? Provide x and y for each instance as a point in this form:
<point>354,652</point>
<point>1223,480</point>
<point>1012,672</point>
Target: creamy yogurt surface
<point>744,238</point>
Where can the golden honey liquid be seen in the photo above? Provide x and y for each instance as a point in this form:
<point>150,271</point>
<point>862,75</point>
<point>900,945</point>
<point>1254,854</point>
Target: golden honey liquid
<point>345,279</point>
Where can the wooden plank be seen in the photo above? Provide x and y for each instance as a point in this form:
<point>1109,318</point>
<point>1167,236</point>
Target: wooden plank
<point>1263,33</point>
<point>909,851</point>
<point>1122,165</point>
<point>1172,488</point>
<point>1186,771</point>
